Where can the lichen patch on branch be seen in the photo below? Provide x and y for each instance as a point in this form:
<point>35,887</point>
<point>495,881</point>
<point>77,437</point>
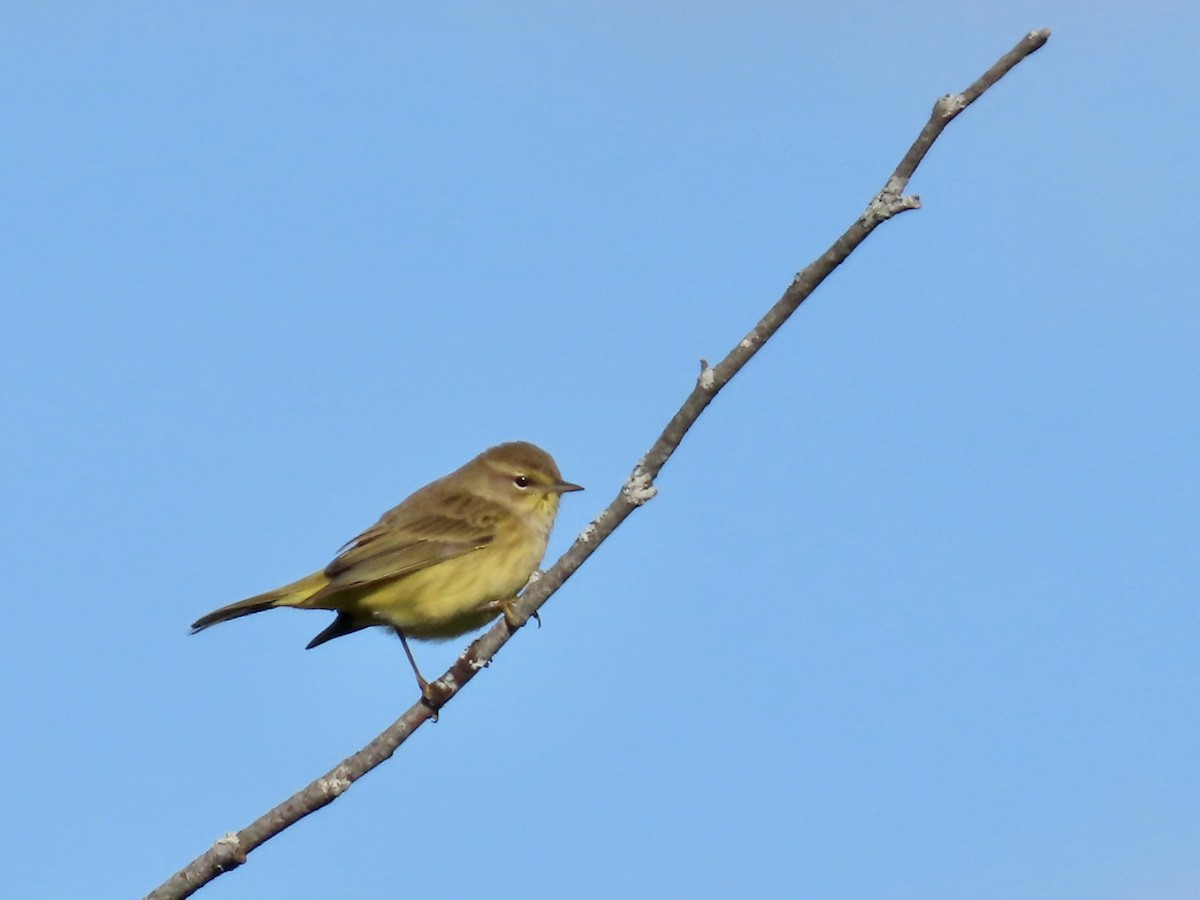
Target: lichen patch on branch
<point>335,782</point>
<point>639,488</point>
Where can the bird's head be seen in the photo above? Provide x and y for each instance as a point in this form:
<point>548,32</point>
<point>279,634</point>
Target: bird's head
<point>522,477</point>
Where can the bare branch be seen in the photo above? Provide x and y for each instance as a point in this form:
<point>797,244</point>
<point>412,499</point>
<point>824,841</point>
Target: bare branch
<point>231,850</point>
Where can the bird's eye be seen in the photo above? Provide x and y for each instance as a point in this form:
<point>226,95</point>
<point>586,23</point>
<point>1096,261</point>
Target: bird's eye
<point>522,481</point>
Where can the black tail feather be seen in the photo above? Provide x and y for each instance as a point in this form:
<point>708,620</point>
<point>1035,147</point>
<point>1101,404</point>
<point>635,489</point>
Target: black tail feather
<point>234,611</point>
<point>343,625</point>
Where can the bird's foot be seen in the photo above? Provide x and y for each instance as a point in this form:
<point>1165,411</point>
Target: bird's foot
<point>513,619</point>
<point>434,696</point>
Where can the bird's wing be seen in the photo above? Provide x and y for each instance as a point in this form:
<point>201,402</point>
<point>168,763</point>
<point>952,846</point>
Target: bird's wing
<point>403,541</point>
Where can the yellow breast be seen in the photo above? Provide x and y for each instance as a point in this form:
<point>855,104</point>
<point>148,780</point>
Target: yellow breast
<point>458,595</point>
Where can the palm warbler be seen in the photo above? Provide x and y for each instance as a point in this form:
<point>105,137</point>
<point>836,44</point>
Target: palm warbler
<point>446,561</point>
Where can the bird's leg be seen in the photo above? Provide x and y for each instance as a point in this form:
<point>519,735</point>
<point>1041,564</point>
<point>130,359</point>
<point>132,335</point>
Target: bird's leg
<point>428,694</point>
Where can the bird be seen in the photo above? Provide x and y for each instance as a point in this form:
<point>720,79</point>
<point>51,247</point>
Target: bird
<point>449,559</point>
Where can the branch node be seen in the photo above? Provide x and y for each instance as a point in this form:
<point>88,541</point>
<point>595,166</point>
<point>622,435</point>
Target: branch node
<point>888,203</point>
<point>949,106</point>
<point>229,851</point>
<point>708,378</point>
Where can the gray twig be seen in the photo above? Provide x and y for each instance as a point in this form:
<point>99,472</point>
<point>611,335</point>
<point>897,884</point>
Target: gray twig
<point>230,851</point>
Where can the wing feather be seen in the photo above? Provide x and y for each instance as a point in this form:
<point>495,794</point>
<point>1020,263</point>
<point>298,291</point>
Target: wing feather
<point>406,540</point>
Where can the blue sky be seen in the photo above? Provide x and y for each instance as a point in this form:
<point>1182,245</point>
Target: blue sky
<point>914,613</point>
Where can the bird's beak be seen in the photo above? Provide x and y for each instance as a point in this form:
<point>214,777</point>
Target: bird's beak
<point>563,487</point>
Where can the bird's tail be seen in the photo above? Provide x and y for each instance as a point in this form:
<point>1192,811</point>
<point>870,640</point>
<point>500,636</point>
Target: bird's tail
<point>293,594</point>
